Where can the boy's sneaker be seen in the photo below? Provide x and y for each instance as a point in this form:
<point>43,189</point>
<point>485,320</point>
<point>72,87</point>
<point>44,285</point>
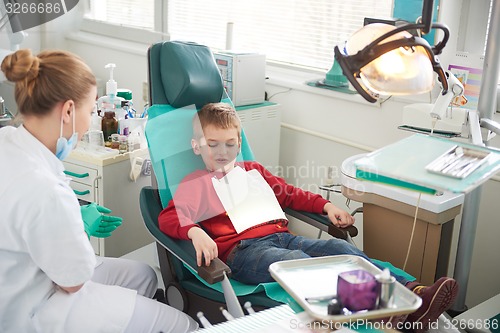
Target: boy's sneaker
<point>436,299</point>
<point>393,322</point>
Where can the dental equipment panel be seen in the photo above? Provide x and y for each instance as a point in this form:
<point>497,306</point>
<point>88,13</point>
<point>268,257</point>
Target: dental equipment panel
<point>243,75</point>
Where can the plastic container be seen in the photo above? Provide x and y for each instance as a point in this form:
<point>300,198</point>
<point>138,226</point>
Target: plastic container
<point>357,290</point>
<point>123,144</point>
<point>96,138</point>
<point>95,122</point>
<point>386,286</point>
<point>126,94</point>
<point>109,124</point>
<point>2,108</point>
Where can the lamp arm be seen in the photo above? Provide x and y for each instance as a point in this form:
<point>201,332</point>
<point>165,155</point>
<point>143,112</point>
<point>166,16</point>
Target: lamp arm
<point>490,125</point>
<point>427,11</point>
<point>15,38</point>
<point>475,128</point>
<point>445,97</point>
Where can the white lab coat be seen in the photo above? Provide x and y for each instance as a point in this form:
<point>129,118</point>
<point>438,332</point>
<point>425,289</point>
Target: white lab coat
<point>43,244</point>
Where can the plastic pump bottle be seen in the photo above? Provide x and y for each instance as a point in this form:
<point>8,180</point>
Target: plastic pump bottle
<point>111,101</point>
<point>111,85</point>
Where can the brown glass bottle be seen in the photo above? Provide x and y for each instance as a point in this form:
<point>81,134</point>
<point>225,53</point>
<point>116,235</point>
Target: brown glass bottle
<point>109,125</point>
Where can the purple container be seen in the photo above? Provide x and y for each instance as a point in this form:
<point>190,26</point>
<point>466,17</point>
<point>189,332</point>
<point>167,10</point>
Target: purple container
<point>357,290</point>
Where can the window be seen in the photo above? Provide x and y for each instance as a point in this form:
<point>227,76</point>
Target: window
<point>474,26</point>
<point>297,32</point>
<point>135,20</point>
<point>129,13</point>
<point>301,32</point>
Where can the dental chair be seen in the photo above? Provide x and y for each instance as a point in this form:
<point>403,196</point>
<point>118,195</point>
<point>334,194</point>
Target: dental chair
<point>183,74</point>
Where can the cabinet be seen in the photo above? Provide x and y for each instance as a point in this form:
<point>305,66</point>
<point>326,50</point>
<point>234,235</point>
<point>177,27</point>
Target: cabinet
<point>106,182</point>
<point>262,125</point>
<point>388,227</point>
<point>388,224</point>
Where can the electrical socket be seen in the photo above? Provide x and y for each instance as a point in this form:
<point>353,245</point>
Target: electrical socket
<point>145,92</point>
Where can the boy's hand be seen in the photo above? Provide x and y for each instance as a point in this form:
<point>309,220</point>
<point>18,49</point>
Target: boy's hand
<point>339,217</point>
<point>204,245</point>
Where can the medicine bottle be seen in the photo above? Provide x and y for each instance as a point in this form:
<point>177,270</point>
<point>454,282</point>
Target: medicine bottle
<point>109,125</point>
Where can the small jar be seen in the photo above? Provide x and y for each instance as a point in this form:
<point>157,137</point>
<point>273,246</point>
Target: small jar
<point>109,124</point>
<point>123,146</point>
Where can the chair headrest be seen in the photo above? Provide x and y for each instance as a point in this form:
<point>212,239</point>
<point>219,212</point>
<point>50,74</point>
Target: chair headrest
<point>189,74</point>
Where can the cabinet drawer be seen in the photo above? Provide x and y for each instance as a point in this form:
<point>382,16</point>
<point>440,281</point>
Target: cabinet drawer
<point>80,174</point>
<point>95,245</point>
<point>84,192</point>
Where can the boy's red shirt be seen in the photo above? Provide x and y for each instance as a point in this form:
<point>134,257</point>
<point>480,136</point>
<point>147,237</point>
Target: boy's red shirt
<point>196,201</point>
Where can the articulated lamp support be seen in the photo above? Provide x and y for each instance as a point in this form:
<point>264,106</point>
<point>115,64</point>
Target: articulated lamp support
<point>438,117</point>
<point>455,88</point>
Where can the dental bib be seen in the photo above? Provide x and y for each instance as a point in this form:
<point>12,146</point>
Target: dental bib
<point>247,198</point>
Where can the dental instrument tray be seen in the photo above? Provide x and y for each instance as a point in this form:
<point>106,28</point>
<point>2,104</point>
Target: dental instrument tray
<point>312,282</point>
<point>457,162</point>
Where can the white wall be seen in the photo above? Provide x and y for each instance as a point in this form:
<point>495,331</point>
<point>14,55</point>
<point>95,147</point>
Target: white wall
<point>339,126</point>
<point>97,51</point>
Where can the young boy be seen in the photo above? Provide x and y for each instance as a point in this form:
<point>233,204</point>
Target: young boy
<point>207,209</point>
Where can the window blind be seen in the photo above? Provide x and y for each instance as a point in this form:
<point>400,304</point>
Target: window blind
<point>129,13</point>
<point>302,32</point>
<point>298,32</point>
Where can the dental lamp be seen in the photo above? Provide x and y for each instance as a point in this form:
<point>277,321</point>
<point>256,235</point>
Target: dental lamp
<point>394,63</point>
<point>382,59</point>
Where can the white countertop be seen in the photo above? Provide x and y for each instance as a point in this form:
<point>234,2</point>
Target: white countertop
<point>437,203</point>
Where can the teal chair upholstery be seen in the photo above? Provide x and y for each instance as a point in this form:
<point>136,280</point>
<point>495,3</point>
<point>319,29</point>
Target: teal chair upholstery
<point>183,77</point>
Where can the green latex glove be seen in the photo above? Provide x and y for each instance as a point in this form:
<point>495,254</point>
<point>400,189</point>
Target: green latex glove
<point>96,224</point>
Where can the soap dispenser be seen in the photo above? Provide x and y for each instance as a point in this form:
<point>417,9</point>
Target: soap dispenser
<point>110,102</point>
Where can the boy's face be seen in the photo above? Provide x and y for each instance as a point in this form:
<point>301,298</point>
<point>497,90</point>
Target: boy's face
<point>218,148</point>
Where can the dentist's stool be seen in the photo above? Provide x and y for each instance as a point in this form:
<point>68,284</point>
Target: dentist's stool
<point>388,216</point>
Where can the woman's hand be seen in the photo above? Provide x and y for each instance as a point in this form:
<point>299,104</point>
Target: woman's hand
<point>339,217</point>
<point>204,245</point>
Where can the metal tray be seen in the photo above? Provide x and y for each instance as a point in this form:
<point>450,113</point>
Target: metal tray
<point>458,162</point>
<point>312,282</point>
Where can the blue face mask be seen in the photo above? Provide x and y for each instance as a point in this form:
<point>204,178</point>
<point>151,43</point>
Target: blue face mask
<point>65,146</point>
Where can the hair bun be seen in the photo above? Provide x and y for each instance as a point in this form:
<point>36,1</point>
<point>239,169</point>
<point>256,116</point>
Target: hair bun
<point>21,65</point>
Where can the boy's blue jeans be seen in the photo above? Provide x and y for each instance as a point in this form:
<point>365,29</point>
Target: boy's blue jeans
<point>250,260</point>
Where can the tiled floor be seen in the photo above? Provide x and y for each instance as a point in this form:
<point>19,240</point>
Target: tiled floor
<point>148,255</point>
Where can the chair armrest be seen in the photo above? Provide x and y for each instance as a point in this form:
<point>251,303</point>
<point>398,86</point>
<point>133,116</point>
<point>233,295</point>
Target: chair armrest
<point>182,249</point>
<point>323,223</point>
<point>215,272</point>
